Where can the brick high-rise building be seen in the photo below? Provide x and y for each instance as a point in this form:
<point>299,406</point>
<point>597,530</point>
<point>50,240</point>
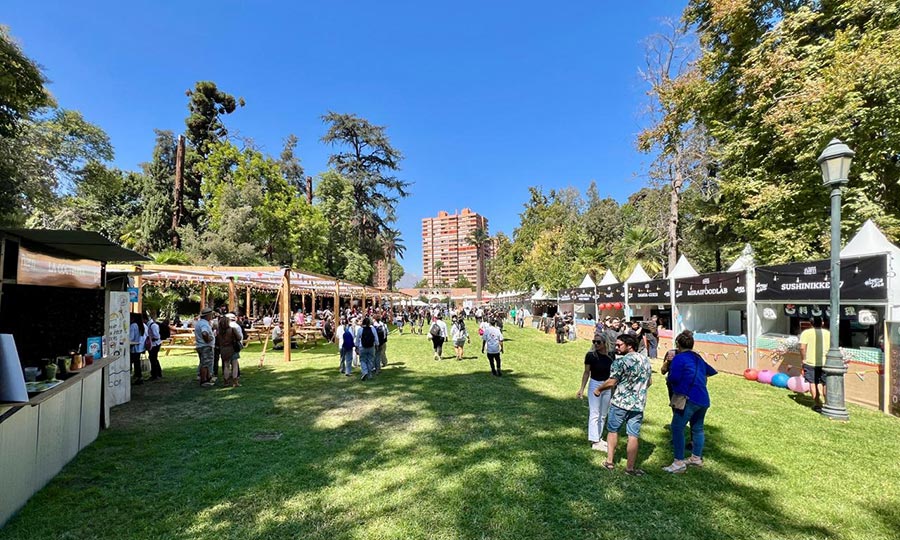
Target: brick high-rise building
<point>381,274</point>
<point>444,240</point>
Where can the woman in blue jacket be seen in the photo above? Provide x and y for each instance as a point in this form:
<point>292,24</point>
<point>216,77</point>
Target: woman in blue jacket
<point>687,378</point>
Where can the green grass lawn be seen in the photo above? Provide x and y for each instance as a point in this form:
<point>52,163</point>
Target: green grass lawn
<point>444,450</point>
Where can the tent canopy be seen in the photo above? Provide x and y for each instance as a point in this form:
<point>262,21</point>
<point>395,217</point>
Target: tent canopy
<point>609,279</point>
<point>683,269</point>
<point>587,282</point>
<point>77,244</point>
<point>639,275</point>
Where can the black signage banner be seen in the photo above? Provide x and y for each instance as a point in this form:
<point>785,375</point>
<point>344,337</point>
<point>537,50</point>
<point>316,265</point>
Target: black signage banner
<point>863,278</point>
<point>649,292</point>
<point>578,294</point>
<point>713,287</point>
<point>610,293</point>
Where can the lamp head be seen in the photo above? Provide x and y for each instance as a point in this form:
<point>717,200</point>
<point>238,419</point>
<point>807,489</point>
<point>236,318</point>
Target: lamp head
<point>835,163</point>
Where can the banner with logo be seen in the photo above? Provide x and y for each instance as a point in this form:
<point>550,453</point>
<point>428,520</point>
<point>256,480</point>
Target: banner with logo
<point>863,278</point>
<point>39,269</point>
<point>649,292</point>
<point>710,288</point>
<point>610,293</point>
<point>118,311</point>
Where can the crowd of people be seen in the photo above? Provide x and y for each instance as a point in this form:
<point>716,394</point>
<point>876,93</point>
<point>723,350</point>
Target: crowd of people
<point>616,378</point>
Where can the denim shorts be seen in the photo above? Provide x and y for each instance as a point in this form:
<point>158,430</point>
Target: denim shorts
<point>631,419</point>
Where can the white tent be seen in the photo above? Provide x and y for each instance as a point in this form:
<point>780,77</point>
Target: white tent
<point>541,295</point>
<point>869,240</point>
<point>745,261</point>
<point>609,279</point>
<point>683,269</point>
<point>639,275</point>
<point>587,282</point>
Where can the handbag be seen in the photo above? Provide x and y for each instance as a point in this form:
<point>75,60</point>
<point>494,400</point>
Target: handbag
<point>679,401</point>
<point>237,344</point>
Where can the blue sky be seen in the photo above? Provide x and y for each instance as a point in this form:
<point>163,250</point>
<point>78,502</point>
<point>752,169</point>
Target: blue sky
<point>483,98</point>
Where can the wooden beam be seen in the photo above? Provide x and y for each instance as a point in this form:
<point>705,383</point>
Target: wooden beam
<point>139,283</point>
<point>337,301</point>
<point>247,304</point>
<point>286,313</point>
<point>202,295</point>
<point>232,296</point>
<point>313,310</point>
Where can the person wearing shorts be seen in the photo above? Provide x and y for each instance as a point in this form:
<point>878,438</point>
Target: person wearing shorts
<point>630,375</point>
<point>814,343</point>
<point>205,340</point>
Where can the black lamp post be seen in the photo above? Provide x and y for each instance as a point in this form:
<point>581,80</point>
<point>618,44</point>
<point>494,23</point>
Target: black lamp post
<point>835,162</point>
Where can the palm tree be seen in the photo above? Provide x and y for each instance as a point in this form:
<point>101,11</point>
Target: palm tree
<point>639,244</point>
<point>392,244</point>
<point>478,238</point>
<point>437,268</point>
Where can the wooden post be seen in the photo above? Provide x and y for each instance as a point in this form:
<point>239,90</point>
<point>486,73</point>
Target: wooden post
<point>232,296</point>
<point>178,192</point>
<point>247,303</point>
<point>364,299</point>
<point>286,313</point>
<point>313,310</point>
<point>202,295</point>
<point>139,283</point>
<point>337,301</point>
<point>303,301</point>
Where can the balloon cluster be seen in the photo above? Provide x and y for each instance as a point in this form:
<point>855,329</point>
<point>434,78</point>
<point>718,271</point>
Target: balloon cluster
<point>611,305</point>
<point>781,380</point>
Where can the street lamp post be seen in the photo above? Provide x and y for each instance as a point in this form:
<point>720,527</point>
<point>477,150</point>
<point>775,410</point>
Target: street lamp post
<point>835,163</point>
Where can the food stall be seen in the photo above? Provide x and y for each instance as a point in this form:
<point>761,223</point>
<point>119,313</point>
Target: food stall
<point>789,295</point>
<point>53,303</point>
<point>714,307</point>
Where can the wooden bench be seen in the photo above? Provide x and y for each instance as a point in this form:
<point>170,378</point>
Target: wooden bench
<point>170,347</point>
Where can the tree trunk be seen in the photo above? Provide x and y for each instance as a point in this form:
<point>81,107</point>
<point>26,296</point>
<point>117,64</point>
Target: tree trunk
<point>677,181</point>
<point>178,209</point>
<point>478,277</point>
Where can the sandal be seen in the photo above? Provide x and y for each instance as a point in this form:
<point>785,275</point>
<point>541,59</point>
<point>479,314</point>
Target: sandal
<point>635,472</point>
<point>694,462</point>
<point>609,466</point>
<point>675,468</point>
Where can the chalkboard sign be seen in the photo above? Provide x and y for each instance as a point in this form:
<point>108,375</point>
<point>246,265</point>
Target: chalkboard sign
<point>894,363</point>
<point>649,292</point>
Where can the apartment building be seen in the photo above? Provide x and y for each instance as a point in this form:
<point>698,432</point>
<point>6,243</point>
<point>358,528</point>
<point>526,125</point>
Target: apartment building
<point>446,254</point>
<point>381,274</point>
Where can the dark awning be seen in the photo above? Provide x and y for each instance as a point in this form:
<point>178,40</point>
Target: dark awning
<point>77,244</point>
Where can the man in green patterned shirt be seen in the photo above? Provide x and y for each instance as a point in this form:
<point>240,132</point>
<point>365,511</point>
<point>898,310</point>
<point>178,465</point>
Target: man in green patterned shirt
<point>630,374</point>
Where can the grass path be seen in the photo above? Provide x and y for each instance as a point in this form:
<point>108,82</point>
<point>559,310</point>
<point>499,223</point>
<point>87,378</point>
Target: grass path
<point>443,450</point>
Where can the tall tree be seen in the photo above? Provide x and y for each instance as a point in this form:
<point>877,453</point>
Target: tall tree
<point>478,238</point>
<point>778,80</point>
<point>368,161</point>
<point>22,90</point>
<point>393,247</point>
<point>206,107</point>
<point>290,164</point>
<point>153,228</point>
<point>675,136</point>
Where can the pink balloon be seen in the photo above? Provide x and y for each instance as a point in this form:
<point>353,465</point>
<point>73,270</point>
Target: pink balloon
<point>798,384</point>
<point>765,376</point>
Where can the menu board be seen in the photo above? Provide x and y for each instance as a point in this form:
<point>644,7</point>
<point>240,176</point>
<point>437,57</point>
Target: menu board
<point>893,343</point>
<point>118,309</point>
<point>39,269</point>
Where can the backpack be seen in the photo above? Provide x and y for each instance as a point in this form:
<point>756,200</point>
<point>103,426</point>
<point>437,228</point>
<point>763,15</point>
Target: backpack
<point>348,339</point>
<point>148,340</point>
<point>165,332</point>
<point>435,330</point>
<point>368,337</point>
<point>382,335</point>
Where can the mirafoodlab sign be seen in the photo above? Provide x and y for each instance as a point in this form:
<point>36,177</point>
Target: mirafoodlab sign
<point>862,278</point>
<point>709,288</point>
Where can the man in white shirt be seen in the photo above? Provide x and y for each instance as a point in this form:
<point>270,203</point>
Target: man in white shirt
<point>205,341</point>
<point>155,344</point>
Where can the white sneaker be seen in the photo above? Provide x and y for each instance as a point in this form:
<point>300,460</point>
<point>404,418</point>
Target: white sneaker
<point>600,446</point>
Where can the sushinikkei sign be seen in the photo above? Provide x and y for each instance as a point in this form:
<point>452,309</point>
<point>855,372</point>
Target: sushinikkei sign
<point>862,278</point>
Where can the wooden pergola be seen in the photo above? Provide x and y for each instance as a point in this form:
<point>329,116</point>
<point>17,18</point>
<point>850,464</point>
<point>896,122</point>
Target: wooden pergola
<point>283,281</point>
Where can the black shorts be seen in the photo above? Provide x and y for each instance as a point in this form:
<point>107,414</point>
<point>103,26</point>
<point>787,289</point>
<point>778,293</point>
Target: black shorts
<point>813,374</point>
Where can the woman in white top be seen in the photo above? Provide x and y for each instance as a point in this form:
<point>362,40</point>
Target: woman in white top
<point>460,335</point>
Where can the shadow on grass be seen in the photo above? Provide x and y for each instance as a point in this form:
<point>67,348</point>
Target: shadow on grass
<point>408,455</point>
